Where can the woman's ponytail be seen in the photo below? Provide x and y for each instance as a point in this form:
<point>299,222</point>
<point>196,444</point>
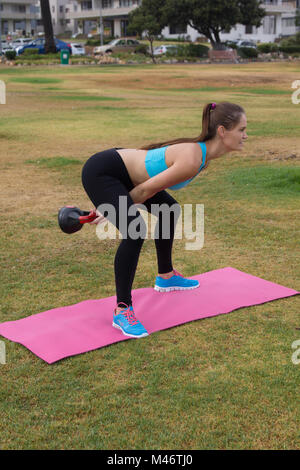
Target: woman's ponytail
<point>213,115</point>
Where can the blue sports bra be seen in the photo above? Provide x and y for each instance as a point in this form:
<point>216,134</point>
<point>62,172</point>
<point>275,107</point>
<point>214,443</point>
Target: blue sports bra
<point>155,163</point>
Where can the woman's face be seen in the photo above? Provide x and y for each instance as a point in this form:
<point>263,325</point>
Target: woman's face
<point>235,138</point>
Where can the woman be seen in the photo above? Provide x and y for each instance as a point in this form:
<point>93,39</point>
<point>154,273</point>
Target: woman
<point>142,175</point>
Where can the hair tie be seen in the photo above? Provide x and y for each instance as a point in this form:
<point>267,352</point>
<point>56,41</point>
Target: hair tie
<point>213,105</point>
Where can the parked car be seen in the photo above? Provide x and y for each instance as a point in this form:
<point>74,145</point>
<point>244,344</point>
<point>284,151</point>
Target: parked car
<point>118,45</point>
<point>40,45</point>
<point>163,49</point>
<point>5,43</point>
<point>231,43</point>
<point>18,42</point>
<point>244,43</point>
<point>77,48</point>
<point>6,47</point>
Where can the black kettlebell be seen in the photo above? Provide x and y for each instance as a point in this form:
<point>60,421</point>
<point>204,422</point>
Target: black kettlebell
<point>71,218</point>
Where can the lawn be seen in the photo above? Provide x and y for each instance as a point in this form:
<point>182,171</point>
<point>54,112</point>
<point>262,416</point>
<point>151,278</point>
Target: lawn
<point>226,382</point>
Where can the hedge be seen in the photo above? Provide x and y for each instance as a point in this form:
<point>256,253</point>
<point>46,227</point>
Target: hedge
<point>96,42</point>
<point>289,49</point>
<point>191,50</point>
<point>10,55</point>
<point>267,47</point>
<point>30,51</point>
<point>141,49</point>
<point>247,52</point>
<point>271,47</point>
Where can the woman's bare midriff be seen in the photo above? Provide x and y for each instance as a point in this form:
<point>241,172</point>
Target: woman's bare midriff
<point>134,161</point>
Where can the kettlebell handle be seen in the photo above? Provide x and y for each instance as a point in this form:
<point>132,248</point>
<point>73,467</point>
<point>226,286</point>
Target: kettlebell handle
<point>87,217</point>
<point>83,219</point>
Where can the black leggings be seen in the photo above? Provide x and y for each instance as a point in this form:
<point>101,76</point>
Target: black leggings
<point>105,178</point>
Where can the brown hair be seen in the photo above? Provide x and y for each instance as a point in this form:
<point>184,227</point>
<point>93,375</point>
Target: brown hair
<point>223,114</point>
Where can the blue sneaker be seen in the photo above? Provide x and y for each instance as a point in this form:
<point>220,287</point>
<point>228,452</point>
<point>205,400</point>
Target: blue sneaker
<point>176,282</point>
<point>128,323</point>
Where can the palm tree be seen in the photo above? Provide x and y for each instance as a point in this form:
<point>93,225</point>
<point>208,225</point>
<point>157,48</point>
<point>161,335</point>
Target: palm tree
<point>47,22</point>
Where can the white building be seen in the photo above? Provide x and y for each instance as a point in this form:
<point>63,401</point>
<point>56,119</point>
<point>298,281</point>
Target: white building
<point>278,22</point>
<point>83,16</point>
<point>114,12</point>
<point>23,17</point>
<point>61,13</point>
<point>18,16</point>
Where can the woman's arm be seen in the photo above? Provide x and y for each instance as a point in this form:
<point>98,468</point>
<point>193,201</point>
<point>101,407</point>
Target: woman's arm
<point>178,172</point>
<point>138,194</point>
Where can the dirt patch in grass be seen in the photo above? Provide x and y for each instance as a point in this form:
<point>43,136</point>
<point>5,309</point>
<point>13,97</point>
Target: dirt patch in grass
<point>196,77</point>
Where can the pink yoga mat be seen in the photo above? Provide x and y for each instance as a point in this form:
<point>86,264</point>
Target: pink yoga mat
<point>75,329</point>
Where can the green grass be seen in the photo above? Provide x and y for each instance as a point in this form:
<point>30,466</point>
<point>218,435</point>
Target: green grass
<point>38,80</point>
<point>267,184</point>
<point>254,91</point>
<point>84,98</point>
<point>277,127</point>
<point>53,162</point>
<point>225,382</point>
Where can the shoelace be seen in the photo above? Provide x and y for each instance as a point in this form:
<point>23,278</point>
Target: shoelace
<point>129,315</point>
<point>177,273</point>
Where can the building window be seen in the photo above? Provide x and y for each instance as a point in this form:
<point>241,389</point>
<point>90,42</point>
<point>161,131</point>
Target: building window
<point>178,29</point>
<point>108,26</point>
<point>87,5</point>
<point>61,9</point>
<point>18,8</point>
<point>250,29</point>
<point>288,22</point>
<point>269,24</point>
<point>124,24</point>
<point>106,3</point>
<point>129,3</point>
<point>20,25</point>
<point>125,3</point>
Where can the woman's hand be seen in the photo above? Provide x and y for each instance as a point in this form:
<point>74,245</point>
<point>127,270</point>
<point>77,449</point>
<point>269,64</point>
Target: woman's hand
<point>100,219</point>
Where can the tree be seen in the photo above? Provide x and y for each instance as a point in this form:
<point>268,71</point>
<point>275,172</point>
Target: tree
<point>48,29</point>
<point>148,19</point>
<point>297,19</point>
<point>210,17</point>
<point>252,12</point>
